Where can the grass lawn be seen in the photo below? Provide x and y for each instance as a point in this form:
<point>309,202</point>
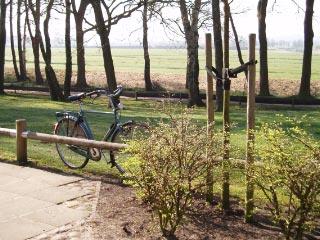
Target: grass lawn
<point>39,112</point>
<point>282,64</point>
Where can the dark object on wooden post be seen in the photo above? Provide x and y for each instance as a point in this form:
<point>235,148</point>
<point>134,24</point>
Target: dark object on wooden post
<point>250,130</point>
<point>21,143</point>
<point>210,116</point>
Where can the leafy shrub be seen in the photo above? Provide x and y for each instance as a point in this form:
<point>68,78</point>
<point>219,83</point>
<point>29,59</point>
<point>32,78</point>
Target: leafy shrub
<point>172,163</point>
<point>290,177</point>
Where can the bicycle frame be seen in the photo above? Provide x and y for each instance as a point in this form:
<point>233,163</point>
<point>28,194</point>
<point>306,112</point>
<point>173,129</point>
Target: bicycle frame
<point>80,119</point>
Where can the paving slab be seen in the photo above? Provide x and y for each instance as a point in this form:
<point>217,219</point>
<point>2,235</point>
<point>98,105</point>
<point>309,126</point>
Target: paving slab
<point>21,228</point>
<point>23,186</point>
<point>56,195</point>
<point>33,201</point>
<point>7,197</point>
<point>57,215</point>
<point>22,206</point>
<point>5,179</point>
<point>53,179</point>
<point>17,171</point>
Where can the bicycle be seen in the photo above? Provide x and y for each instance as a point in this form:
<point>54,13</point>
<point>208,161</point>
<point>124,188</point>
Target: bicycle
<point>74,124</point>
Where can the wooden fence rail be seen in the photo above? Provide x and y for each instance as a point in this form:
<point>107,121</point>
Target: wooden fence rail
<point>21,134</point>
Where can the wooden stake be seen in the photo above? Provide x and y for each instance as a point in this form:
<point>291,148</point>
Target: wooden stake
<point>250,130</point>
<point>226,118</point>
<point>210,116</point>
<point>21,143</point>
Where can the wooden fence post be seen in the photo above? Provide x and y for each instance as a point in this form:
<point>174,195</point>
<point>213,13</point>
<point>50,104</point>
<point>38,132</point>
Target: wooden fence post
<point>250,130</point>
<point>226,114</point>
<point>210,117</point>
<point>21,143</point>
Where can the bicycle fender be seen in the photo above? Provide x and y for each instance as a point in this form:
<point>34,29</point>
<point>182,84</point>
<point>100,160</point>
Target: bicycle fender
<point>82,124</point>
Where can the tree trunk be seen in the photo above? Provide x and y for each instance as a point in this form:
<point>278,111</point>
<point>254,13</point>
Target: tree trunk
<point>22,66</point>
<point>192,39</point>
<point>24,49</point>
<point>193,71</point>
<point>55,90</point>
<point>39,78</point>
<point>13,51</point>
<point>3,11</point>
<point>236,39</point>
<point>81,63</point>
<point>68,73</point>
<point>307,54</point>
<point>264,78</point>
<point>105,45</point>
<point>147,77</point>
<point>218,52</point>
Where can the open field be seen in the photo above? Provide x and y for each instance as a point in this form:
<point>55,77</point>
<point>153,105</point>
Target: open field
<point>283,65</point>
<point>40,114</point>
<point>168,69</point>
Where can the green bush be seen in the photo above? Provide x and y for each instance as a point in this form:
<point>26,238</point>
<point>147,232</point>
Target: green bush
<point>290,177</point>
<point>172,163</point>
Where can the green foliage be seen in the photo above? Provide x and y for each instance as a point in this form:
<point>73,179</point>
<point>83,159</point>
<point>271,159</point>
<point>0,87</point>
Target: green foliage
<point>289,177</point>
<point>172,166</point>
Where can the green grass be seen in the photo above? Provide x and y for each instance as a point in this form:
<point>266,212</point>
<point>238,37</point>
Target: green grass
<point>39,112</point>
<point>282,64</point>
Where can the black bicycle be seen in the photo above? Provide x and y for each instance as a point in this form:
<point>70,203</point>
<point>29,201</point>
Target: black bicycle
<point>74,124</point>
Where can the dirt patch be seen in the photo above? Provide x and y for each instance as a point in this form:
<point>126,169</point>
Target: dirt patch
<point>120,215</point>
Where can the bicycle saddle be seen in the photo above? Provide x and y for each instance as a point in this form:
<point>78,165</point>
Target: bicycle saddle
<point>76,97</point>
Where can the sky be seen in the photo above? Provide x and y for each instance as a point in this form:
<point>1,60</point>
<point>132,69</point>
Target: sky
<point>284,22</point>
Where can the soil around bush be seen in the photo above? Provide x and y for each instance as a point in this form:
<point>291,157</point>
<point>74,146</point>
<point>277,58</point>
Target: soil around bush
<point>121,215</point>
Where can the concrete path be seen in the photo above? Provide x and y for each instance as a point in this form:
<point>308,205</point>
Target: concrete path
<point>33,202</point>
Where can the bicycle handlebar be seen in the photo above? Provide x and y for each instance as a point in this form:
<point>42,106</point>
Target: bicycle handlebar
<point>96,93</point>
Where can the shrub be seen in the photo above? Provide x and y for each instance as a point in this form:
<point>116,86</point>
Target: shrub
<point>290,177</point>
<point>172,163</point>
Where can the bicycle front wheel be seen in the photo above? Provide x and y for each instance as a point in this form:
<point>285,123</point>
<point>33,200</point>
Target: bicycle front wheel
<point>128,131</point>
<point>74,157</point>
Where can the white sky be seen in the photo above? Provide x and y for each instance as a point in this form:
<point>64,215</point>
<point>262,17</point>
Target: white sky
<point>284,22</point>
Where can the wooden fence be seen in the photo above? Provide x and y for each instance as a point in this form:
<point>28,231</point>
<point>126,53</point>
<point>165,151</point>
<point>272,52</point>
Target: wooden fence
<point>22,134</point>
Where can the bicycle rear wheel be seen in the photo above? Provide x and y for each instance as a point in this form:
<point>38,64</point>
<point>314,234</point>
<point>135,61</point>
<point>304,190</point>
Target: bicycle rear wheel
<point>74,157</point>
<point>128,131</point>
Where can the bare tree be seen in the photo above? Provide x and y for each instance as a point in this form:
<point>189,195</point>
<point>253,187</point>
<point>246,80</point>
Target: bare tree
<point>36,37</point>
<point>193,16</point>
<point>22,64</point>
<point>147,75</point>
<point>13,51</point>
<point>115,10</point>
<point>68,72</point>
<point>190,22</point>
<point>237,42</point>
<point>307,54</point>
<point>264,78</point>
<point>79,15</point>
<point>3,12</point>
<point>54,88</point>
<point>216,18</point>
